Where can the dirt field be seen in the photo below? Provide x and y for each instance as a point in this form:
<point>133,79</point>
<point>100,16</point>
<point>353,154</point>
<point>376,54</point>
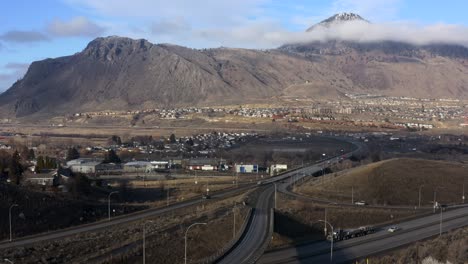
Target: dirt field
<point>293,151</point>
<point>156,193</point>
<point>395,182</point>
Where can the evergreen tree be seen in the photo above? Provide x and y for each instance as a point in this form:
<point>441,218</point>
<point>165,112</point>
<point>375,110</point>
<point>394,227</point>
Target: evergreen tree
<point>40,165</point>
<point>112,157</point>
<point>15,169</point>
<point>72,154</point>
<point>31,154</point>
<point>172,139</point>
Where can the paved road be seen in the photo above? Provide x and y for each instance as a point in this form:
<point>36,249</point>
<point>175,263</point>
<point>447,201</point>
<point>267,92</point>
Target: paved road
<point>256,234</point>
<point>252,241</point>
<point>116,220</point>
<point>251,246</point>
<point>381,241</point>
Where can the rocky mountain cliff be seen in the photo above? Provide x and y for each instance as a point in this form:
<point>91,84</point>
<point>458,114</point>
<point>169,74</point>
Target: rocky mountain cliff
<point>116,73</point>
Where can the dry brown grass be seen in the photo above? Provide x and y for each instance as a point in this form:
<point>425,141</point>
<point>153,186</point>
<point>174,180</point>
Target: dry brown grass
<point>451,247</point>
<point>394,182</point>
<point>297,221</point>
<point>164,238</point>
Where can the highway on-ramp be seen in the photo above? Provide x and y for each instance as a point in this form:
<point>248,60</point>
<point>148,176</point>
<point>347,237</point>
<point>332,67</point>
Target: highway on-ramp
<point>256,235</point>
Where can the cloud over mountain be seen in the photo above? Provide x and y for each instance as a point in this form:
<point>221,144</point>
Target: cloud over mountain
<point>20,36</point>
<point>77,26</point>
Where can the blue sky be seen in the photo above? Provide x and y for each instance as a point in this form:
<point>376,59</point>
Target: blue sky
<point>34,30</point>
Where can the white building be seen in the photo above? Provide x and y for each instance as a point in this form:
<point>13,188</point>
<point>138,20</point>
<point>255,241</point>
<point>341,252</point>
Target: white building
<point>277,168</point>
<point>84,165</point>
<point>246,168</point>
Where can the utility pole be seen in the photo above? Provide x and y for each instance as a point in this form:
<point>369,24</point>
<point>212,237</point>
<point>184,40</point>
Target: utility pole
<point>352,194</point>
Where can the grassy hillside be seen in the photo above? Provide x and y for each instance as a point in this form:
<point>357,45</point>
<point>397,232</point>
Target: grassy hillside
<point>395,182</point>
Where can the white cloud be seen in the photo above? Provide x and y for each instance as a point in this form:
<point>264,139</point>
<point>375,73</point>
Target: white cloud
<point>401,32</point>
<point>170,26</point>
<point>77,26</point>
<point>200,12</point>
<point>246,24</point>
<point>20,36</point>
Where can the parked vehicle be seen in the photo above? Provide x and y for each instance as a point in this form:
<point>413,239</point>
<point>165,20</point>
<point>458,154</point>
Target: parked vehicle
<point>343,234</point>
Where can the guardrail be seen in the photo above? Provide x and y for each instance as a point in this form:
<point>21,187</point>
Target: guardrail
<point>256,256</point>
<point>229,246</point>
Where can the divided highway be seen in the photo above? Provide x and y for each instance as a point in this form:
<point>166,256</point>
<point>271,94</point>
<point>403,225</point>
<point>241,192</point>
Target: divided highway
<point>348,250</point>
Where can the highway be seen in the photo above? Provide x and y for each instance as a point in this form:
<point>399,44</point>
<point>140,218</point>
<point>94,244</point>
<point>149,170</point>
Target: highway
<point>117,220</point>
<point>253,243</point>
<point>348,250</point>
<point>257,233</point>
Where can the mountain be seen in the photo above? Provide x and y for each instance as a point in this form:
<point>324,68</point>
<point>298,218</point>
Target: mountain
<point>337,19</point>
<point>117,73</point>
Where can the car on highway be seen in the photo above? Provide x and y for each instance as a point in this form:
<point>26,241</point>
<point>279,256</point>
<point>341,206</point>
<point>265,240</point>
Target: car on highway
<point>206,196</point>
<point>360,203</point>
<point>393,229</point>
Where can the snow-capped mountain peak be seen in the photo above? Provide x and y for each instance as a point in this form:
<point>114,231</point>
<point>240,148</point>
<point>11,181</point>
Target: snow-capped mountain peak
<point>338,18</point>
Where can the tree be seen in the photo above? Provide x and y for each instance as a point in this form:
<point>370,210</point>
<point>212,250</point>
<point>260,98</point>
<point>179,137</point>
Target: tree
<point>111,157</point>
<point>79,185</point>
<point>114,140</point>
<point>172,139</point>
<point>72,154</point>
<point>15,169</point>
<point>190,142</point>
<point>31,154</point>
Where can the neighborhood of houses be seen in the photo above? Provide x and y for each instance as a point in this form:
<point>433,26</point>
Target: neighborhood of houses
<point>396,111</point>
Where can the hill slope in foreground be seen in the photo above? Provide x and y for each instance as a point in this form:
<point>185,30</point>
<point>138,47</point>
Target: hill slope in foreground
<point>395,182</point>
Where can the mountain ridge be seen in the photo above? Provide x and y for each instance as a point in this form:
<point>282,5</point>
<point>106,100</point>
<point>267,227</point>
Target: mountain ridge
<point>119,73</point>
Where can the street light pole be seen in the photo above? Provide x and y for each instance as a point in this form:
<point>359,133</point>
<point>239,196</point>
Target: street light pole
<point>9,261</point>
<point>11,233</point>
<point>194,224</point>
<point>234,225</point>
<point>440,225</point>
<point>275,193</point>
<point>108,205</point>
<point>419,199</point>
<point>331,246</point>
<point>144,240</point>
<point>352,194</point>
<point>325,224</point>
<point>463,193</point>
